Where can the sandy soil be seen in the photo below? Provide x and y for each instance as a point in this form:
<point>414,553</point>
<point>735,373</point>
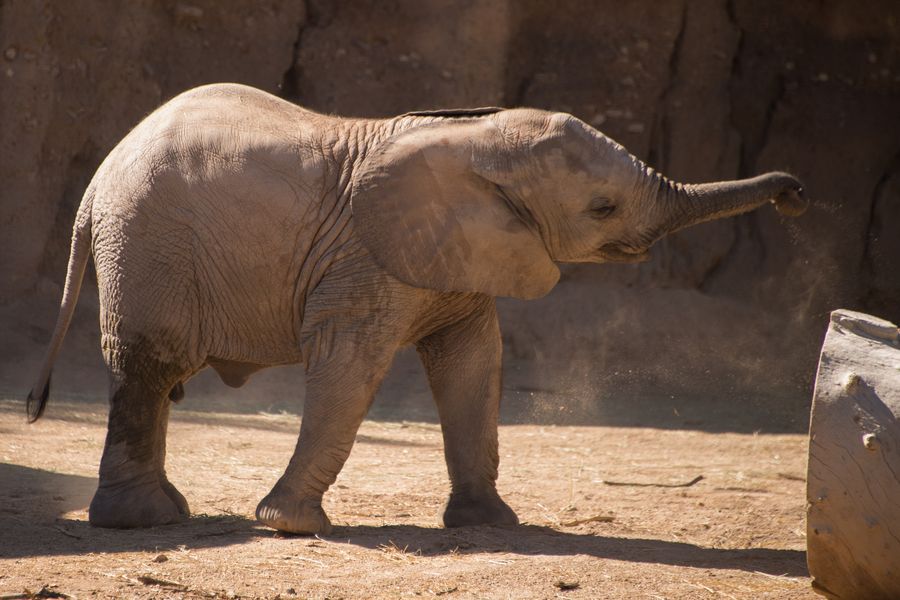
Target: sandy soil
<point>736,533</point>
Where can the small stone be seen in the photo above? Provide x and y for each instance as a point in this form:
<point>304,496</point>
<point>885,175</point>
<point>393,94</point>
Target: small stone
<point>850,382</point>
<point>11,53</point>
<point>160,558</point>
<point>447,74</point>
<point>871,442</point>
<point>10,72</point>
<point>823,77</point>
<point>566,586</point>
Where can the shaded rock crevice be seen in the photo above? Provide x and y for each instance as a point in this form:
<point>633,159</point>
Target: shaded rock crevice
<point>288,87</point>
<point>881,288</point>
<point>78,174</point>
<point>660,134</point>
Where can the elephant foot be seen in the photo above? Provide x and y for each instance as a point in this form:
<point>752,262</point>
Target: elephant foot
<point>285,512</point>
<point>131,506</point>
<point>466,509</point>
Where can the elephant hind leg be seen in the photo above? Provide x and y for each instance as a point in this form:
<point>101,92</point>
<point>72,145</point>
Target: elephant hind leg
<point>133,490</point>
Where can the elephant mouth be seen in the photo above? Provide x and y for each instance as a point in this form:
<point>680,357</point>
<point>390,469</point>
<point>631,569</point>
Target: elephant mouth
<point>622,254</point>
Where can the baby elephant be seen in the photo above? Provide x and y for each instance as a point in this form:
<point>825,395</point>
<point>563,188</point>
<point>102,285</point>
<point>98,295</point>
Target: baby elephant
<point>235,230</point>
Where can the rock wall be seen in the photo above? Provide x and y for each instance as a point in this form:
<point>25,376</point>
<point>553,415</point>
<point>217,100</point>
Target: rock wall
<point>701,89</point>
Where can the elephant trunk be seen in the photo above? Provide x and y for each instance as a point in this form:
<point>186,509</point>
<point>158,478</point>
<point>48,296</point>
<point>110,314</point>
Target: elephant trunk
<point>687,205</point>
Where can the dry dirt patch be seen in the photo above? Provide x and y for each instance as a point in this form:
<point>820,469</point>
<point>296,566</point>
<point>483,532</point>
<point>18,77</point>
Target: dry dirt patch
<point>736,533</point>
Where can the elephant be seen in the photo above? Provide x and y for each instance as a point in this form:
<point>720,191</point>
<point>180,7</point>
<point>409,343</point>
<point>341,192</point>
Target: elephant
<point>232,229</point>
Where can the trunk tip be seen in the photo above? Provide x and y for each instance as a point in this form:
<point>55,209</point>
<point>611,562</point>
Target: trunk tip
<point>792,202</point>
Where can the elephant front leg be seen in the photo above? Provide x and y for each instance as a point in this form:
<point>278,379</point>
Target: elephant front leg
<point>339,391</point>
<point>463,366</point>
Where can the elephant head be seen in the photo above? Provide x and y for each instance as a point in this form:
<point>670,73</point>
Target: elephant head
<point>489,204</point>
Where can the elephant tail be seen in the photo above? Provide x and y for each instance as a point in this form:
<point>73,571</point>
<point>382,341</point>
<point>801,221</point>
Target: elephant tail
<point>79,254</point>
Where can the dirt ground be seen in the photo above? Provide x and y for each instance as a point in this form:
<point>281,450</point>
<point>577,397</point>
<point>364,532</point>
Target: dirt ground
<point>598,521</point>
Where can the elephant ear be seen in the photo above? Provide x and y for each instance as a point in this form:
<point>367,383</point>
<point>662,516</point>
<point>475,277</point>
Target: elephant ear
<point>428,206</point>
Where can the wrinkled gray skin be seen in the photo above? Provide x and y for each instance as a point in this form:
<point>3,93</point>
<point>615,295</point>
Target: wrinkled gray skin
<point>234,230</point>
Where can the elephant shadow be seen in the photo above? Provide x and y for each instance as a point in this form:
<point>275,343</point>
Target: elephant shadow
<point>33,500</point>
<point>540,540</point>
<point>38,495</point>
<point>33,520</point>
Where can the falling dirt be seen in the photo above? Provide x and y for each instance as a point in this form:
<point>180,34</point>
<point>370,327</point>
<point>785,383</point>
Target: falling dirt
<point>607,513</point>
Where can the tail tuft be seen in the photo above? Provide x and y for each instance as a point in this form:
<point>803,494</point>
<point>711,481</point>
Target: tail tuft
<point>34,407</point>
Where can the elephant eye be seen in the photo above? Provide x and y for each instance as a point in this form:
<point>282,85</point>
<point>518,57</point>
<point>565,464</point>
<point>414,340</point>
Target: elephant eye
<point>601,208</point>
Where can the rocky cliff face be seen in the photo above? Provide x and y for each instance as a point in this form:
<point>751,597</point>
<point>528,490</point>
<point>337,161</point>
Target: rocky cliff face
<point>700,89</point>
